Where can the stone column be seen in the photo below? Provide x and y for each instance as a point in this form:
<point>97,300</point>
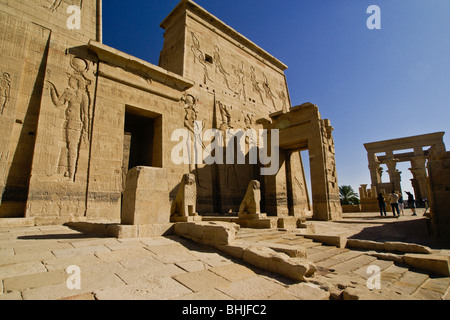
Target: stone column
<point>374,167</point>
<point>394,174</point>
<point>419,172</point>
<point>363,191</point>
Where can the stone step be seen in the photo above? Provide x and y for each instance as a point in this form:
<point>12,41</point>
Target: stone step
<point>260,237</point>
<point>249,234</point>
<point>354,264</point>
<point>324,255</point>
<point>339,258</point>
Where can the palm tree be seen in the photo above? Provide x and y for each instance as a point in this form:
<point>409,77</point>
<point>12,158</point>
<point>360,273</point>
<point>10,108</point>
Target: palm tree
<point>348,196</point>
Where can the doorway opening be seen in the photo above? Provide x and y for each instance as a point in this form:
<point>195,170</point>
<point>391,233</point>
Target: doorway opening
<point>142,140</point>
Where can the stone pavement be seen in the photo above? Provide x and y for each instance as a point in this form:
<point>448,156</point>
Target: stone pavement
<point>349,270</point>
<point>34,260</point>
<point>34,263</point>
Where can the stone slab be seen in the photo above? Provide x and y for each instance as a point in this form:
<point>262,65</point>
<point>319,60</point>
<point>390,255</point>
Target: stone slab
<point>255,288</point>
<point>436,264</point>
<point>338,241</point>
<point>157,289</point>
<point>202,280</point>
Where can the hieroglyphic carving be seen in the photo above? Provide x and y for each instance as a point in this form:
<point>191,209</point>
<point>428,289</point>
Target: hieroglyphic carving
<point>268,91</point>
<point>190,119</point>
<point>76,99</point>
<point>232,181</point>
<point>255,84</point>
<point>283,98</point>
<point>225,117</point>
<point>199,55</point>
<point>240,83</point>
<point>191,123</point>
<point>5,91</point>
<point>330,160</point>
<point>250,138</point>
<point>219,66</point>
<point>56,3</point>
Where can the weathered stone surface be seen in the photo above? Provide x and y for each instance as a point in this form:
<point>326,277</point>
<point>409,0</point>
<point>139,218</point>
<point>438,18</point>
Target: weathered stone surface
<point>267,259</point>
<point>201,280</point>
<point>309,291</point>
<point>211,233</point>
<point>406,247</point>
<point>338,241</point>
<point>254,288</point>
<point>436,264</point>
<point>365,244</point>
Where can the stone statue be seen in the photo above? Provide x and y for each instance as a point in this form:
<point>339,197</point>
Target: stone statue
<point>184,204</point>
<point>251,203</point>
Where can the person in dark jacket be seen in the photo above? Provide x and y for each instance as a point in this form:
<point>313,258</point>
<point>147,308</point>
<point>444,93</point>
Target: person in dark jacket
<point>381,204</point>
<point>411,203</point>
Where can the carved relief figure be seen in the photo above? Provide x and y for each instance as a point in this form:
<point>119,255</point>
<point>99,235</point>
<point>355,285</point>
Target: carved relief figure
<point>232,181</point>
<point>5,91</point>
<point>252,200</point>
<point>76,99</point>
<point>239,73</point>
<point>185,202</point>
<point>191,123</point>
<point>255,84</point>
<point>269,93</point>
<point>250,138</point>
<point>283,98</point>
<point>199,56</point>
<point>56,3</point>
<point>225,117</point>
<point>219,66</point>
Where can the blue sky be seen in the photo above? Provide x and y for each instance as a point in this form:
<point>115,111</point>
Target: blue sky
<point>372,84</point>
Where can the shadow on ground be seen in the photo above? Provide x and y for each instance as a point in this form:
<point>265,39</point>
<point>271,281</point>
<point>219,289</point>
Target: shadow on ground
<point>412,231</point>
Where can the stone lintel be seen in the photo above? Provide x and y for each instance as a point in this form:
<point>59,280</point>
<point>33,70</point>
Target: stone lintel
<point>143,68</point>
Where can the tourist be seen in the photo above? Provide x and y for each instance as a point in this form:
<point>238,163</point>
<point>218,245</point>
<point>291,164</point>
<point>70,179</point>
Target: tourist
<point>393,198</point>
<point>401,203</point>
<point>411,203</point>
<point>381,204</point>
<point>427,206</point>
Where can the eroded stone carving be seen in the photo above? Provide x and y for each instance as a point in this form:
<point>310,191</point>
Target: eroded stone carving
<point>56,3</point>
<point>240,83</point>
<point>251,203</point>
<point>5,91</point>
<point>219,66</point>
<point>255,84</point>
<point>76,99</point>
<point>283,98</point>
<point>225,117</point>
<point>268,91</point>
<point>185,202</point>
<point>199,55</point>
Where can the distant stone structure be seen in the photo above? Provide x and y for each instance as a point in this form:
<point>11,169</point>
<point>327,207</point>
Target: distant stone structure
<point>386,152</point>
<point>429,167</point>
<point>86,129</point>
